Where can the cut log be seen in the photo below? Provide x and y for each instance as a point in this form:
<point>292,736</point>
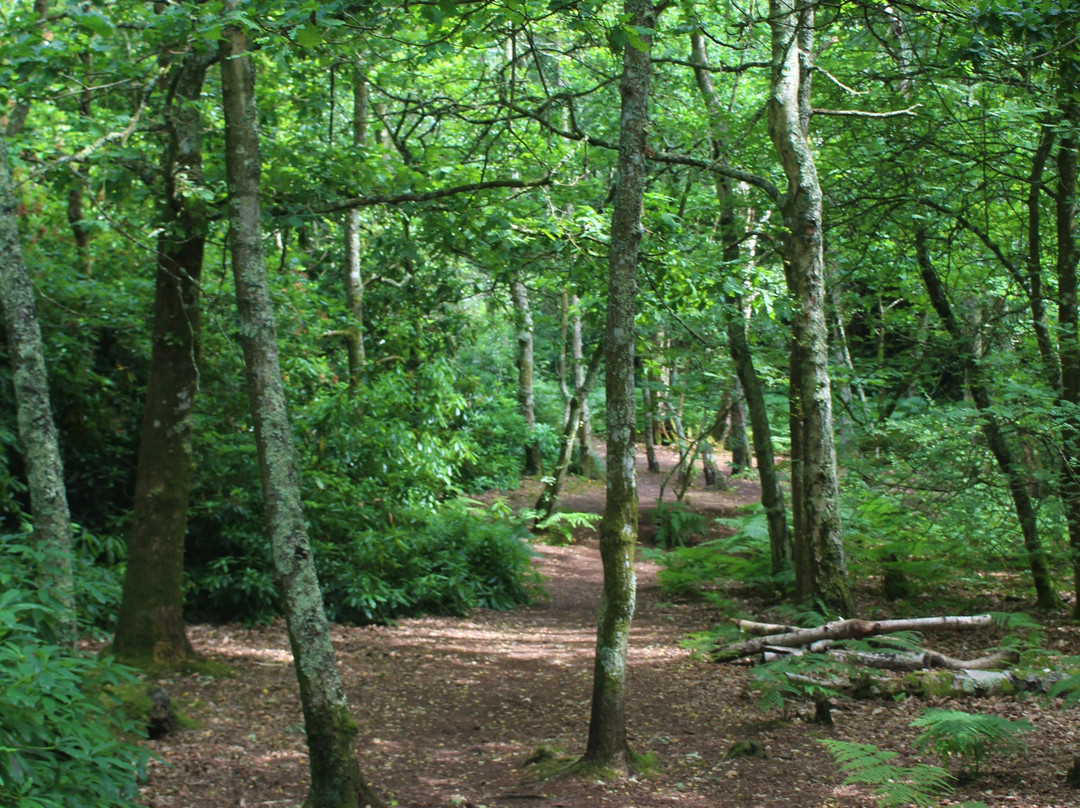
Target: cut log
<point>847,630</point>
<point>762,629</point>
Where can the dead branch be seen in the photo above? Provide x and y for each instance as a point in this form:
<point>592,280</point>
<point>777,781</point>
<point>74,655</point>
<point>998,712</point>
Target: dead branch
<point>847,630</point>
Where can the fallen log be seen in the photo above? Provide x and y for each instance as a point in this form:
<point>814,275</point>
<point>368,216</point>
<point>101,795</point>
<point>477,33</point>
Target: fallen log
<point>846,630</point>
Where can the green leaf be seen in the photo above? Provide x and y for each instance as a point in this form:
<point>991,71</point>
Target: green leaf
<point>309,36</point>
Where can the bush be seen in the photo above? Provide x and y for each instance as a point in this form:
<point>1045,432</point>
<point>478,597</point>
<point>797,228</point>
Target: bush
<point>443,562</point>
<point>62,732</point>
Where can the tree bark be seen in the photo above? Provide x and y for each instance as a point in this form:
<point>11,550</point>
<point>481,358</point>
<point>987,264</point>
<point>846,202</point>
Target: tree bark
<point>588,462</point>
<point>740,444</point>
<point>335,774</point>
<point>150,624</point>
<point>817,524</point>
<point>995,435</point>
<point>354,279</point>
<point>534,460</point>
<point>37,432</point>
<point>549,496</point>
<point>608,746</point>
<point>648,401</point>
<point>1065,204</point>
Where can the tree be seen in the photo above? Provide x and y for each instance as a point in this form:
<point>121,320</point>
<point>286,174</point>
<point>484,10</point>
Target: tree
<point>815,490</point>
<point>607,745</point>
<point>336,781</point>
<point>150,624</point>
<point>37,432</point>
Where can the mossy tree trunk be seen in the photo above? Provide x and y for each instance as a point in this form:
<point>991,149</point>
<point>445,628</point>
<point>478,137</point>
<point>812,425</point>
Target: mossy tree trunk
<point>336,781</point>
<point>534,460</point>
<point>37,432</point>
<point>1065,203</point>
<point>608,746</point>
<point>150,624</point>
<point>814,455</point>
<point>995,436</point>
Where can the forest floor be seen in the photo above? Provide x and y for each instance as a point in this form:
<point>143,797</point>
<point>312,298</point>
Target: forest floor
<point>452,709</point>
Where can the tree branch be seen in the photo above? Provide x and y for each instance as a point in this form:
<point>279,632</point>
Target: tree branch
<point>427,196</point>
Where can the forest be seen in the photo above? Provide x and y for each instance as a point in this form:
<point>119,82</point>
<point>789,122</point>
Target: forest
<point>539,403</point>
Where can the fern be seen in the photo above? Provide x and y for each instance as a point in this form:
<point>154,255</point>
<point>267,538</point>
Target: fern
<point>892,785</point>
<point>971,737</point>
<point>560,525</point>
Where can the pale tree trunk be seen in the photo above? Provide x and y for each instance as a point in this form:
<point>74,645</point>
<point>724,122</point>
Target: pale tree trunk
<point>37,432</point>
<point>354,279</point>
<point>150,624</point>
<point>772,495</point>
<point>335,774</point>
<point>814,456</point>
<point>740,444</point>
<point>549,496</point>
<point>534,460</point>
<point>608,746</point>
<point>588,462</point>
<point>995,435</point>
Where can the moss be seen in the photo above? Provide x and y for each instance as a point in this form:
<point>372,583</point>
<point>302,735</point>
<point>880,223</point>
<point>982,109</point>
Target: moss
<point>646,764</point>
<point>548,761</point>
<point>154,666</point>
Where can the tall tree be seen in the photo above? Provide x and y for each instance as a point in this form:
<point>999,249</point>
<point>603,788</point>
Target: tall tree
<point>37,432</point>
<point>523,320</point>
<point>150,623</point>
<point>816,491</point>
<point>608,745</point>
<point>336,781</point>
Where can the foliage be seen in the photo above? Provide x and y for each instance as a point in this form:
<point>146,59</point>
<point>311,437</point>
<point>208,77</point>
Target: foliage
<point>448,561</point>
<point>560,525</point>
<point>893,785</point>
<point>970,737</point>
<point>744,557</point>
<point>676,524</point>
<point>63,734</point>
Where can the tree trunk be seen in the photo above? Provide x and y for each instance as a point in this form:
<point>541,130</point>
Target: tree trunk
<point>740,444</point>
<point>995,435</point>
<point>648,401</point>
<point>150,624</point>
<point>354,279</point>
<point>1069,339</point>
<point>608,746</point>
<point>772,496</point>
<point>37,432</point>
<point>588,462</point>
<point>335,774</point>
<point>534,460</point>
<point>792,25</point>
<point>549,496</point>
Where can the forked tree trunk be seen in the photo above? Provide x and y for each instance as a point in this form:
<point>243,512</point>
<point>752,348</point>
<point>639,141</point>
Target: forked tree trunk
<point>818,525</point>
<point>588,462</point>
<point>549,496</point>
<point>37,432</point>
<point>335,774</point>
<point>995,435</point>
<point>534,460</point>
<point>608,746</point>
<point>150,624</point>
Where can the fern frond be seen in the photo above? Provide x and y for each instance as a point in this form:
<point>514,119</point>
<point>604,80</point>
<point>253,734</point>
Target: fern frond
<point>893,786</point>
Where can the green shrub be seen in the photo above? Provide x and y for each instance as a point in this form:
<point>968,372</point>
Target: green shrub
<point>448,561</point>
<point>676,524</point>
<point>63,735</point>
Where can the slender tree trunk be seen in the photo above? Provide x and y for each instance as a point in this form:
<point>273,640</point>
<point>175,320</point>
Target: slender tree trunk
<point>792,25</point>
<point>772,495</point>
<point>534,460</point>
<point>549,496</point>
<point>150,624</point>
<point>354,279</point>
<point>1065,204</point>
<point>588,462</point>
<point>1043,337</point>
<point>37,432</point>
<point>648,401</point>
<point>995,435</point>
<point>740,444</point>
<point>608,745</point>
<point>335,774</point>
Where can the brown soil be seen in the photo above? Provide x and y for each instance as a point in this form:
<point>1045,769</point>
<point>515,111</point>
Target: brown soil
<point>450,709</point>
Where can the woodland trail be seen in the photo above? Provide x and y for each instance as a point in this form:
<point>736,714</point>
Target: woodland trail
<point>450,709</point>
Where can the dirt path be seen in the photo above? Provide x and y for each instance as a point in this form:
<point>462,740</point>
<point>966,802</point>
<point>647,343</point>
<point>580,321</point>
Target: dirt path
<point>450,709</point>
